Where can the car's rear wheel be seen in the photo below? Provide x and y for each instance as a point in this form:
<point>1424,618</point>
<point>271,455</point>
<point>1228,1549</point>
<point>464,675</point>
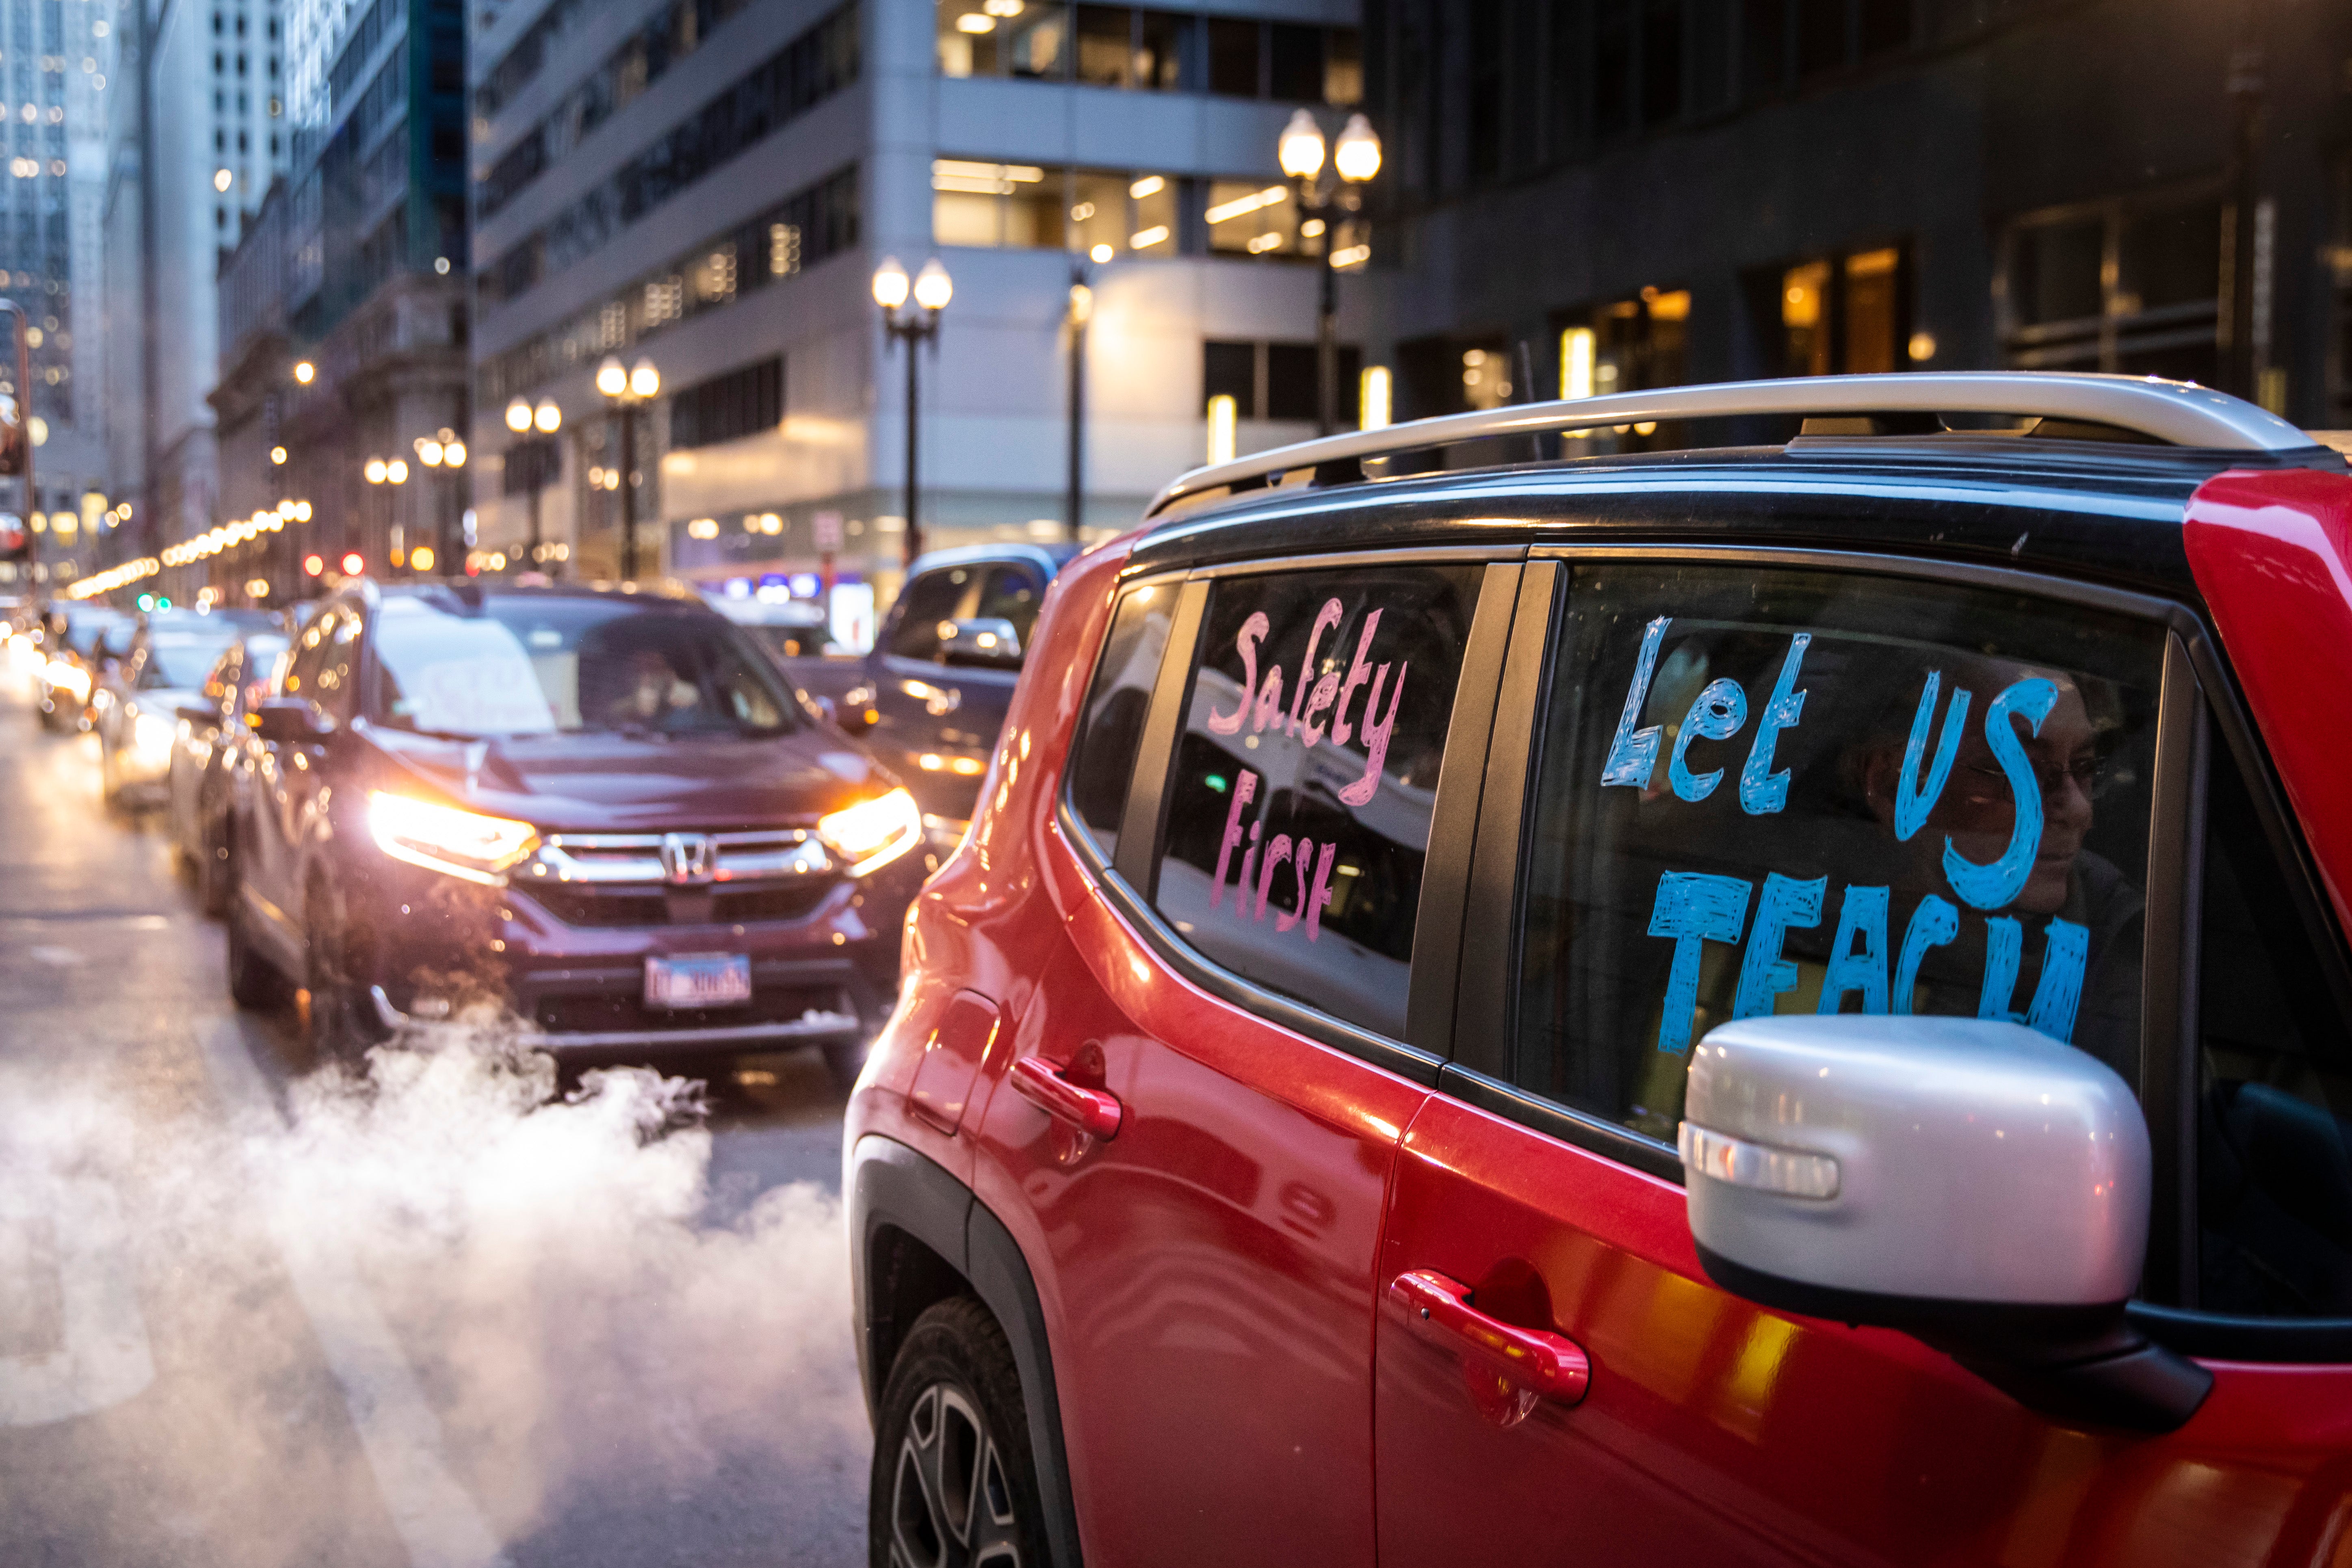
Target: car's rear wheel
<point>253,982</point>
<point>214,886</point>
<point>340,1020</point>
<point>953,1481</point>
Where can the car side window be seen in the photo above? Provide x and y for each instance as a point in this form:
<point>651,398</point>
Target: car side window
<point>1110,726</point>
<point>937,596</point>
<point>2274,1081</point>
<point>1766,791</point>
<point>1009,593</point>
<point>1304,778</point>
<point>310,655</point>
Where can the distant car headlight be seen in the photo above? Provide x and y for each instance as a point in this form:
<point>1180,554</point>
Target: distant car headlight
<point>152,737</point>
<point>873,832</point>
<point>465,844</point>
<point>73,678</point>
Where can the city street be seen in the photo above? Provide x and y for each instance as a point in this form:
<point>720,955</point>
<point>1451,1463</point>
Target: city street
<point>256,1314</point>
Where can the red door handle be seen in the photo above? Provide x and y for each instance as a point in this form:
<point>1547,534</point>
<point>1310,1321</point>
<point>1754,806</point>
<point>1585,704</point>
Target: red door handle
<point>1549,1364</point>
<point>1091,1111</point>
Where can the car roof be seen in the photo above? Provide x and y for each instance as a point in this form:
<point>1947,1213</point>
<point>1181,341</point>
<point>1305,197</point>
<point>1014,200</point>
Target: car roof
<point>2081,509</point>
<point>2081,474</point>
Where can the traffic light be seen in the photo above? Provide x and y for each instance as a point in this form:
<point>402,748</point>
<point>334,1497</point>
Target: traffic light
<point>353,564</point>
<point>314,564</point>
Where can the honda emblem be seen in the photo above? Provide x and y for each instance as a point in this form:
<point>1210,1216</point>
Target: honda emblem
<point>688,857</point>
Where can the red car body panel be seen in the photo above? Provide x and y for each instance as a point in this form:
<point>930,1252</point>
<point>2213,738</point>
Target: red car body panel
<point>1718,1431</point>
<point>2273,554</point>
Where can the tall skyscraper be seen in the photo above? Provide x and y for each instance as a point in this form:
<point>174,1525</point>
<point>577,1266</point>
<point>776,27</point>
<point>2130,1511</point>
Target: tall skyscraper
<point>200,135</point>
<point>56,76</point>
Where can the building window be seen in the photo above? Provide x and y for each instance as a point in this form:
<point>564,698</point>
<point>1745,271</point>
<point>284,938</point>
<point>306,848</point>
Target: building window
<point>1276,380</point>
<point>2129,287</point>
<point>1141,49</point>
<point>1846,313</point>
<point>725,407</point>
<point>1029,205</point>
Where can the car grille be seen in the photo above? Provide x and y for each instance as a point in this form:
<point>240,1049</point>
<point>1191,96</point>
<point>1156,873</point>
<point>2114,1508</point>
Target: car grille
<point>618,879</point>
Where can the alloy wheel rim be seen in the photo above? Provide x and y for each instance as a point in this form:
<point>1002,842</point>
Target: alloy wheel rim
<point>950,1501</point>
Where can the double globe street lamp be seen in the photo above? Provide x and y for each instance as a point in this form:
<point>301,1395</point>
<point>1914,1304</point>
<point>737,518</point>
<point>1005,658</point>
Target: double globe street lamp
<point>1355,159</point>
<point>930,289</point>
<point>627,390</point>
<point>537,459</point>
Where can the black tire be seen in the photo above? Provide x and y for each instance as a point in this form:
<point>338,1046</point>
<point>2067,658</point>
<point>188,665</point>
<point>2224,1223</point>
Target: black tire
<point>342,1017</point>
<point>844,1060</point>
<point>253,982</point>
<point>953,1482</point>
<point>215,886</point>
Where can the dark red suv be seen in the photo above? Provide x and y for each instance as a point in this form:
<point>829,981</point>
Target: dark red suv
<point>1768,1003</point>
<point>603,811</point>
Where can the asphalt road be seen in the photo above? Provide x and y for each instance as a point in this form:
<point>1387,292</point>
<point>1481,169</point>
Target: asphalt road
<point>255,1313</point>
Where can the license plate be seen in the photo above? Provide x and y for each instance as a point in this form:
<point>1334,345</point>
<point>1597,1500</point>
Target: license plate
<point>698,980</point>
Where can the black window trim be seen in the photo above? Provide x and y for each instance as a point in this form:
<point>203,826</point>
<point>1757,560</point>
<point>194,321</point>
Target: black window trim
<point>1126,882</point>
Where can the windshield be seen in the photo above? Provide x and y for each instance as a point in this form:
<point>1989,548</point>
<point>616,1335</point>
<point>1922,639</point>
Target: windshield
<point>82,631</point>
<point>180,658</point>
<point>536,667</point>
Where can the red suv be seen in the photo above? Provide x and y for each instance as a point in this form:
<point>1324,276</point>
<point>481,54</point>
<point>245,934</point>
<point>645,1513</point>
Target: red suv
<point>1766,1003</point>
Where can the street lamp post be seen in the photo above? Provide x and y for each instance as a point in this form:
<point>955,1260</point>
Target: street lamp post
<point>1355,159</point>
<point>393,471</point>
<point>1081,310</point>
<point>522,420</point>
<point>626,389</point>
<point>445,452</point>
<point>932,288</point>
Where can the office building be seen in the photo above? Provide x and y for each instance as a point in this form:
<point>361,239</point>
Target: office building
<point>197,133</point>
<point>1620,194</point>
<point>57,77</point>
<point>710,186</point>
<point>344,311</point>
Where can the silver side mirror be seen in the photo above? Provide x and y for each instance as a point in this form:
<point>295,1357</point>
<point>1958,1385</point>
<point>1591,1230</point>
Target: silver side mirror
<point>1976,1183</point>
<point>984,640</point>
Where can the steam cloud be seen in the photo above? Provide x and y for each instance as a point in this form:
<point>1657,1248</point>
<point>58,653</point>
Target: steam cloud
<point>616,1374</point>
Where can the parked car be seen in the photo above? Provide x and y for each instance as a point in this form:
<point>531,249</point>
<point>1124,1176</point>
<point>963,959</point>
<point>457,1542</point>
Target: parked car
<point>82,643</point>
<point>602,810</point>
<point>1775,1005</point>
<point>931,696</point>
<point>205,745</point>
<point>138,721</point>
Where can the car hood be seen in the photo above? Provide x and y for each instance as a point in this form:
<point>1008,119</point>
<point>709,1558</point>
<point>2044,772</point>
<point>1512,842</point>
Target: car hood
<point>620,783</point>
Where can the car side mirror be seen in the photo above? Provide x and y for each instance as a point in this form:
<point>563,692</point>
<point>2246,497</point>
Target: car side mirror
<point>1972,1183</point>
<point>984,640</point>
<point>829,709</point>
<point>288,721</point>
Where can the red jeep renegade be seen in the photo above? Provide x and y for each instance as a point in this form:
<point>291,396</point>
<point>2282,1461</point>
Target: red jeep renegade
<point>1783,1003</point>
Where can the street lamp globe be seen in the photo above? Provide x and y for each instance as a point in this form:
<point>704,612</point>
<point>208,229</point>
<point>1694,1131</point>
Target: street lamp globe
<point>1301,147</point>
<point>933,288</point>
<point>429,450</point>
<point>547,417</point>
<point>518,416</point>
<point>396,471</point>
<point>890,284</point>
<point>644,381</point>
<point>454,454</point>
<point>612,377</point>
<point>374,470</point>
<point>1357,153</point>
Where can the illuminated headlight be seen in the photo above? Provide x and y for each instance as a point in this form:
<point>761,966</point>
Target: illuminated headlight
<point>445,839</point>
<point>873,832</point>
<point>73,678</point>
<point>152,737</point>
